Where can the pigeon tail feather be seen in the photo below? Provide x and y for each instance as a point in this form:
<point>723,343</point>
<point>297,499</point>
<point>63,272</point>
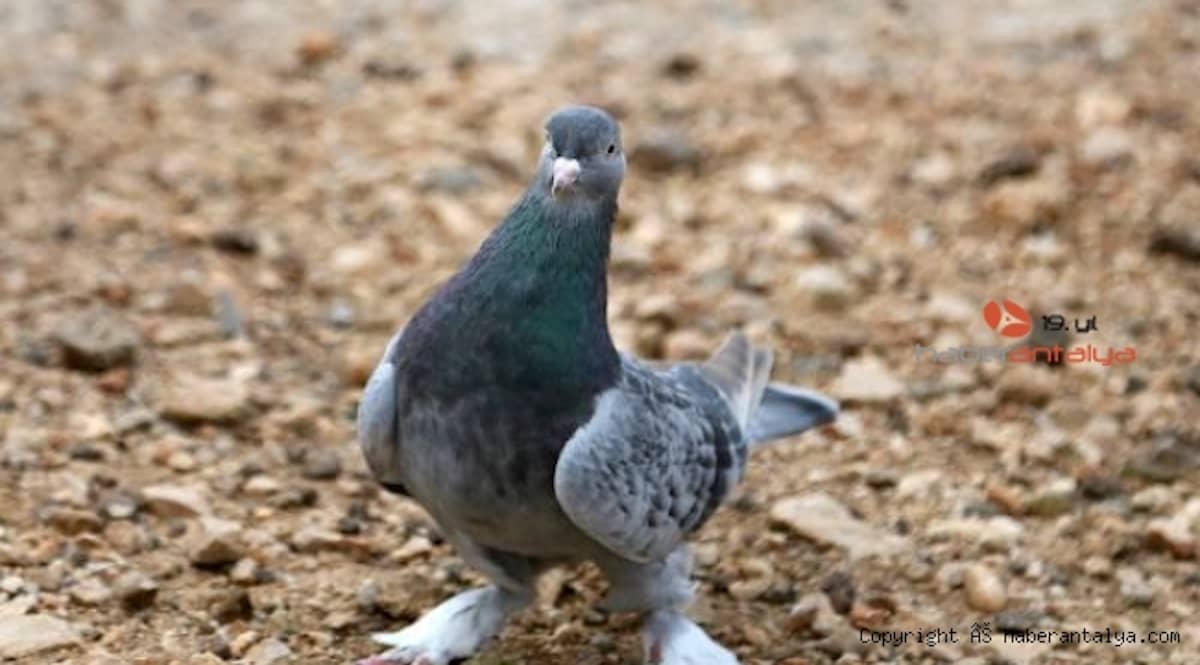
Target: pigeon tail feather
<point>741,372</point>
<point>765,411</point>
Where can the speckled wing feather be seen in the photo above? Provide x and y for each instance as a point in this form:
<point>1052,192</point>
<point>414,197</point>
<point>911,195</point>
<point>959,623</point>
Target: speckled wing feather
<point>660,452</point>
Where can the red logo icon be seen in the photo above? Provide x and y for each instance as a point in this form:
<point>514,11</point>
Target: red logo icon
<point>1011,320</point>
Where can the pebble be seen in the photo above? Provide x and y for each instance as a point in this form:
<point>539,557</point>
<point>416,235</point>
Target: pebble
<point>412,548</point>
<point>176,500</point>
<point>822,518</point>
<point>1173,535</point>
<point>261,485</point>
<point>235,240</point>
<point>96,340</point>
<point>267,652</point>
<point>687,344</point>
<point>90,592</point>
<point>827,285</point>
<point>664,150</point>
<point>1153,499</point>
<point>995,533</point>
<point>192,400</point>
<point>322,464</point>
<point>214,543</point>
<point>984,589</point>
<point>1134,588</point>
<point>25,635</point>
<point>239,645</point>
<point>315,539</point>
<point>1056,498</point>
<point>245,572</point>
<point>867,380</point>
<point>1018,162</point>
<point>1183,243</point>
<point>12,585</point>
<point>135,591</point>
<point>72,521</point>
<point>1107,147</point>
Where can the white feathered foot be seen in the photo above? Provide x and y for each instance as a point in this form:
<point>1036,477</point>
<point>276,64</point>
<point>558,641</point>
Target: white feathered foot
<point>456,629</point>
<point>670,638</point>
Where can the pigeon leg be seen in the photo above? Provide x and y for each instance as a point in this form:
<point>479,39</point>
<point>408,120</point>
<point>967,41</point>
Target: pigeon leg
<point>454,630</point>
<point>669,638</point>
<point>645,587</point>
<point>662,589</point>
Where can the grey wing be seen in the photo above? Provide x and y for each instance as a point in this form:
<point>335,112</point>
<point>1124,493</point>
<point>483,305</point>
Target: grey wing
<point>661,451</point>
<point>377,419</point>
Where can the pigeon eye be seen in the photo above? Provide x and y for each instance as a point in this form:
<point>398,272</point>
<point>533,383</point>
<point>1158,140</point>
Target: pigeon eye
<point>612,147</point>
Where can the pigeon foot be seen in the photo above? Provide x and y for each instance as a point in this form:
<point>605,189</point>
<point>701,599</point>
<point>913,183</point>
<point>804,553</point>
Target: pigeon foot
<point>452,631</point>
<point>672,639</point>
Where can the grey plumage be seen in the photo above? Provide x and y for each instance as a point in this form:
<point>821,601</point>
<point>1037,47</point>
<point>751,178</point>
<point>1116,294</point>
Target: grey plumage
<point>504,409</point>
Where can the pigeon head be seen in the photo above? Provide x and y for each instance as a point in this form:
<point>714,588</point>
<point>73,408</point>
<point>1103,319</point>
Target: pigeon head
<point>582,161</point>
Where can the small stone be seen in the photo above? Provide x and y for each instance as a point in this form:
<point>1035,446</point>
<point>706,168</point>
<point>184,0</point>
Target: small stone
<point>188,297</point>
<point>412,548</point>
<point>192,400</point>
<point>935,171</point>
<point>664,150</point>
<point>1134,589</point>
<point>322,464</point>
<point>454,180</point>
<point>26,635</point>
<point>1099,487</point>
<point>829,287</point>
<point>135,591</point>
<point>227,606</point>
<point>1193,380</point>
<point>1018,162</point>
<point>1172,535</point>
<point>821,518</point>
<point>245,572</point>
<point>1098,107</point>
<point>121,507</point>
<point>181,461</point>
<point>12,585</point>
<point>214,543</point>
<point>90,592</point>
<point>97,340</point>
<point>1017,621</point>
<point>687,344</point>
<point>236,240</point>
<point>995,533</point>
<point>261,485</point>
<point>867,380</point>
<point>985,592</point>
<point>1097,566</point>
<point>239,645</point>
<point>315,539</point>
<point>1107,147</point>
<point>72,521</point>
<point>1053,500</point>
<point>267,652</point>
<point>681,65</point>
<point>839,586</point>
<point>1008,499</point>
<point>175,500</point>
<point>340,315</point>
<point>1153,499</point>
<point>316,47</point>
<point>1183,243</point>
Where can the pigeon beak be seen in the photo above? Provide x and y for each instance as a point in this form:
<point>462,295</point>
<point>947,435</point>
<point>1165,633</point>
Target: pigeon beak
<point>566,174</point>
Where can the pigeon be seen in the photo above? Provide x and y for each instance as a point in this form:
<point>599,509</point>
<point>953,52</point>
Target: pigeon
<point>503,408</point>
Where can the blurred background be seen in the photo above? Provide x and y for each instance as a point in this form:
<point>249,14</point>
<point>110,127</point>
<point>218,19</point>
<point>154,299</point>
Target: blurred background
<point>213,215</point>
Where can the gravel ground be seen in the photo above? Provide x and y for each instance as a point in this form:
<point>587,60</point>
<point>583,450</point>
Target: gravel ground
<point>214,214</point>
